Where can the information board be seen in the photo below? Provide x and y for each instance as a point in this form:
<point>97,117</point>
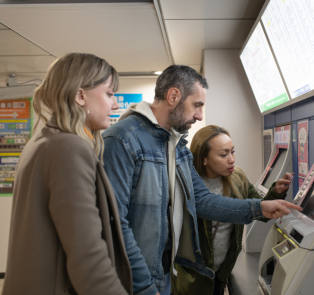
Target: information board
<point>262,71</point>
<point>15,122</point>
<point>124,101</point>
<point>289,25</point>
<point>8,162</point>
<point>16,125</point>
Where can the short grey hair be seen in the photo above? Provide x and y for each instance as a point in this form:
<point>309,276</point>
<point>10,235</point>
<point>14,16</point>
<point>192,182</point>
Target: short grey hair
<point>181,77</point>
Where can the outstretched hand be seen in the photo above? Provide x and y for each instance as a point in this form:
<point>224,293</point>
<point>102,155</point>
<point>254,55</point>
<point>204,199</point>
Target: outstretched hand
<point>283,183</point>
<point>277,208</point>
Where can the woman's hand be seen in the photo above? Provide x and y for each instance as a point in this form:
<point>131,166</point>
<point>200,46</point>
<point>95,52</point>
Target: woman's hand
<point>283,183</point>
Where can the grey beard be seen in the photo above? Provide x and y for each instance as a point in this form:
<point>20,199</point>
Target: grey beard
<point>177,121</point>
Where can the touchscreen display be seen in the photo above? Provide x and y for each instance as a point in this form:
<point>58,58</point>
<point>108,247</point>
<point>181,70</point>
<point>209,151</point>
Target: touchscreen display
<point>262,72</point>
<point>308,203</point>
<point>289,26</point>
<point>275,168</point>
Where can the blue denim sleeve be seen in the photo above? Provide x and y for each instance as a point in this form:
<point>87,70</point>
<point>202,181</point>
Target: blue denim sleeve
<point>119,166</point>
<point>218,208</point>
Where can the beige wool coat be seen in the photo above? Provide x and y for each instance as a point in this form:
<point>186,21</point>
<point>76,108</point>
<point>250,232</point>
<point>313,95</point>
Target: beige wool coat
<point>65,235</point>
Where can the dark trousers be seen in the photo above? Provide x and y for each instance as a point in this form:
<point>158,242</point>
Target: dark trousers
<point>216,288</point>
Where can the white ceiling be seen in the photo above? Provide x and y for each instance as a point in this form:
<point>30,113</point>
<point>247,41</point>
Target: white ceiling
<point>194,25</point>
<point>127,35</point>
<point>189,38</point>
<point>16,45</point>
<point>211,9</point>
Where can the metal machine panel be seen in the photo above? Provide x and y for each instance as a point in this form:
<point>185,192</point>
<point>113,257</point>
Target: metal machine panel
<point>268,145</point>
<point>295,165</point>
<point>306,287</point>
<point>303,109</point>
<point>311,143</point>
<point>283,116</point>
<point>270,120</point>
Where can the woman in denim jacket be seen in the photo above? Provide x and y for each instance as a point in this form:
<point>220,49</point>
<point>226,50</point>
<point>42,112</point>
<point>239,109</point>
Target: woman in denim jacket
<point>214,158</point>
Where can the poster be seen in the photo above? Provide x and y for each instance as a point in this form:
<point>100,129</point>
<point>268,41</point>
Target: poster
<point>124,101</point>
<point>15,123</point>
<point>282,135</point>
<point>302,150</point>
<point>8,162</point>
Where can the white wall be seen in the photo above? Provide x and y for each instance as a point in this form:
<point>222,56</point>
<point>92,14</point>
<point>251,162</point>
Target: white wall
<point>230,103</point>
<point>146,86</point>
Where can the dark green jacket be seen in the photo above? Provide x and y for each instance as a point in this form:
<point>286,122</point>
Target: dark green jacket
<point>189,282</point>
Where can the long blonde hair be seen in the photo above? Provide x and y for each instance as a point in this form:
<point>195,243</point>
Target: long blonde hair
<point>56,95</point>
<point>236,184</point>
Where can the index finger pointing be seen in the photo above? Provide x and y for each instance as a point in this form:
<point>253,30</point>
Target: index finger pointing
<point>292,206</point>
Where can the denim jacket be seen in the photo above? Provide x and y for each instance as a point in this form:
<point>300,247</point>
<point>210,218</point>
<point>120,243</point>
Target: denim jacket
<point>135,157</point>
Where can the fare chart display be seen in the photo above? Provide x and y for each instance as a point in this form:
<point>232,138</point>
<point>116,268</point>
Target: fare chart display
<point>289,25</point>
<point>262,71</point>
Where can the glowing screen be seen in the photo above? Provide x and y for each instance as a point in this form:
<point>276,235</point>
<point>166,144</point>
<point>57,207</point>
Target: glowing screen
<point>262,71</point>
<point>289,25</point>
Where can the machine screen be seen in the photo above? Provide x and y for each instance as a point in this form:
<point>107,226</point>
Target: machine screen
<point>308,203</point>
<point>275,168</point>
<point>289,27</point>
<point>262,72</point>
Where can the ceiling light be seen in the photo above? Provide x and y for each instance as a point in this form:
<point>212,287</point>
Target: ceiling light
<point>158,72</point>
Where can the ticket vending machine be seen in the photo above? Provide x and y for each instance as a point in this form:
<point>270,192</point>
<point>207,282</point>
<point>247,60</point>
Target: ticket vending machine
<point>286,264</point>
<point>279,163</point>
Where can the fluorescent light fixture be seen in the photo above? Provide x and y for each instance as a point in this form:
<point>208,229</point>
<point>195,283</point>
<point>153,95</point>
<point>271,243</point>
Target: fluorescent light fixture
<point>158,72</point>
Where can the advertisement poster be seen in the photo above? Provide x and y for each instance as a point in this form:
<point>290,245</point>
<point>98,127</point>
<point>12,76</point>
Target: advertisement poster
<point>282,135</point>
<point>303,150</point>
<point>8,162</point>
<point>124,101</point>
<point>15,123</point>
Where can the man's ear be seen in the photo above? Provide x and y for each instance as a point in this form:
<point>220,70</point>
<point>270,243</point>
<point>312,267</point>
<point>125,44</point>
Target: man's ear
<point>173,96</point>
<point>80,97</point>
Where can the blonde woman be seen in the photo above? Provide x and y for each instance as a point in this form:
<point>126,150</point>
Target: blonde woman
<point>214,160</point>
<point>65,235</point>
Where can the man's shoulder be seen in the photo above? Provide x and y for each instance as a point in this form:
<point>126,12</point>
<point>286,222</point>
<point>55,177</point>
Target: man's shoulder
<point>123,129</point>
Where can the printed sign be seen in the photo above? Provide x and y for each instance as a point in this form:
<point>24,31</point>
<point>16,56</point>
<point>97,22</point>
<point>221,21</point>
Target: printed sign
<point>124,101</point>
<point>15,131</point>
<point>282,135</point>
<point>15,122</point>
<point>303,149</point>
<point>8,162</point>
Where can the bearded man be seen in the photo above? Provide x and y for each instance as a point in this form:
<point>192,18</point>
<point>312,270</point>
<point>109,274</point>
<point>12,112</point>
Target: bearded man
<point>158,191</point>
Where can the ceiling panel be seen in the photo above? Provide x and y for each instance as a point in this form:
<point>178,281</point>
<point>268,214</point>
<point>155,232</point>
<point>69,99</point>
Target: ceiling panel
<point>189,37</point>
<point>2,27</point>
<point>17,45</point>
<point>24,64</point>
<point>211,9</point>
<point>128,36</point>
